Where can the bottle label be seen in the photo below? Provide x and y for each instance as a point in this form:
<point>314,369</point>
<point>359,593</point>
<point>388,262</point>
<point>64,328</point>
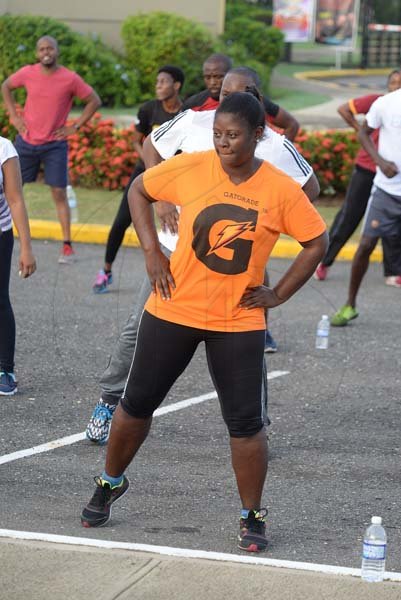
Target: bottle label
<point>374,551</point>
<point>322,333</point>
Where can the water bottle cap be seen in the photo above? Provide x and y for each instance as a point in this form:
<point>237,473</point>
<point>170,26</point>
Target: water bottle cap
<point>325,316</point>
<point>376,520</point>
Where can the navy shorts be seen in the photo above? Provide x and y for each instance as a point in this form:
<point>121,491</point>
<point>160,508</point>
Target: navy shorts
<point>383,216</point>
<point>53,156</point>
<point>235,362</point>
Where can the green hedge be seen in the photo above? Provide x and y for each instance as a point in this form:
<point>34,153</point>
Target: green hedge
<point>99,65</point>
<point>154,39</point>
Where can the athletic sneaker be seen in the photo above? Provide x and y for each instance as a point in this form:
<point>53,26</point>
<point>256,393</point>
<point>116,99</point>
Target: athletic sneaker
<point>8,384</point>
<point>321,272</point>
<point>394,280</point>
<point>252,533</point>
<point>102,282</point>
<point>343,315</point>
<point>98,427</point>
<point>270,344</point>
<point>67,255</point>
<point>98,511</point>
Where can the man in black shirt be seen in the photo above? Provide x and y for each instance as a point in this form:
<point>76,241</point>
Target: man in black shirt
<point>151,115</point>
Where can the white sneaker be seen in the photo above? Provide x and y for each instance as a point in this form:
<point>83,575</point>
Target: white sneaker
<point>394,280</point>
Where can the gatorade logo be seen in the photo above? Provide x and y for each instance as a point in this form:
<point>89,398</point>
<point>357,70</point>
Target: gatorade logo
<point>223,238</point>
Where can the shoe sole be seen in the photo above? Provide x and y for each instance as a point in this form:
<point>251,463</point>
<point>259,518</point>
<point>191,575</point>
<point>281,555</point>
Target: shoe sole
<point>253,548</point>
<point>9,393</point>
<point>88,525</point>
<point>103,291</point>
<point>66,261</point>
<point>270,350</point>
<point>95,441</point>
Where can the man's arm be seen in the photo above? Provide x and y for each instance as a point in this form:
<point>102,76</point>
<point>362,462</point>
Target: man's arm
<point>346,113</point>
<point>288,123</point>
<point>92,103</point>
<point>16,120</point>
<point>386,166</point>
<point>312,188</point>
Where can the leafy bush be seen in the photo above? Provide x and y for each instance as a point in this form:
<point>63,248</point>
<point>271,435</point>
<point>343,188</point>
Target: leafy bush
<point>264,43</point>
<point>331,154</point>
<point>154,39</point>
<point>100,66</point>
<point>242,8</point>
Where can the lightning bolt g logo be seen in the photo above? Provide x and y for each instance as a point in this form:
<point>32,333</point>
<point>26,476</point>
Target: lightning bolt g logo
<point>228,236</point>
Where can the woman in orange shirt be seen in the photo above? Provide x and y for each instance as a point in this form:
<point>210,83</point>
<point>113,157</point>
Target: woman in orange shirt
<point>233,208</point>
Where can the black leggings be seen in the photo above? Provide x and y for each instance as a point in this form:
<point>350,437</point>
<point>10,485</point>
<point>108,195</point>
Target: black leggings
<point>235,362</point>
<point>122,219</point>
<point>350,215</point>
<point>7,321</point>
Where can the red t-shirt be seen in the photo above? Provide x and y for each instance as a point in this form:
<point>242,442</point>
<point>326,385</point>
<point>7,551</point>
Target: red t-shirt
<point>361,106</point>
<point>49,99</point>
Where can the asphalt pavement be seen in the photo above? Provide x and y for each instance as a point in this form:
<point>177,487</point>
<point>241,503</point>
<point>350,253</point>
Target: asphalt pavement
<point>334,449</point>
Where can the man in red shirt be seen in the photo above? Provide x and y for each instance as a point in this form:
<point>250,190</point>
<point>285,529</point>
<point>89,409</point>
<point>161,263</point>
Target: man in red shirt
<point>358,193</point>
<point>42,128</point>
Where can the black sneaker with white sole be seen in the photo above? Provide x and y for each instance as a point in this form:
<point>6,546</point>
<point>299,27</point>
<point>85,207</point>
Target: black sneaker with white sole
<point>98,511</point>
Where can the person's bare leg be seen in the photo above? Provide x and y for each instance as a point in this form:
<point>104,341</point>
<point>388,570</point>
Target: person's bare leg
<point>249,457</point>
<point>127,435</point>
<point>63,210</point>
<point>359,267</point>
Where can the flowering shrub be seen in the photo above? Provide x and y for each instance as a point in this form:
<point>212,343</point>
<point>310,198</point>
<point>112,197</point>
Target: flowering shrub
<point>331,154</point>
<point>101,155</point>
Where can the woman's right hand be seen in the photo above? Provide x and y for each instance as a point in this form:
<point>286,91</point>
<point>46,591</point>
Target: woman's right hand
<point>160,277</point>
<point>27,263</point>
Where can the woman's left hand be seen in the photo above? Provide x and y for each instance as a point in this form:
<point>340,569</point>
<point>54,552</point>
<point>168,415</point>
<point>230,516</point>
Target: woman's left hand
<point>259,297</point>
<point>27,264</point>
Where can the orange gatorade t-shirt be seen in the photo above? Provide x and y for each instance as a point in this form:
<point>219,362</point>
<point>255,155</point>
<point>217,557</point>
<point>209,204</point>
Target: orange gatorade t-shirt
<point>226,234</point>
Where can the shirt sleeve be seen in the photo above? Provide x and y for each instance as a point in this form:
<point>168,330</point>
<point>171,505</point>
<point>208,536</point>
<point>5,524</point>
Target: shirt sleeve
<point>300,218</point>
<point>271,109</point>
<point>361,105</point>
<point>166,181</point>
<point>167,139</point>
<point>293,163</point>
<point>81,89</point>
<point>18,79</point>
<point>144,117</point>
<point>374,117</point>
<point>7,150</point>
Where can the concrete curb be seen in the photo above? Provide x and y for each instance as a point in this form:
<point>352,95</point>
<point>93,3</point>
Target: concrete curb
<point>323,74</point>
<point>97,234</point>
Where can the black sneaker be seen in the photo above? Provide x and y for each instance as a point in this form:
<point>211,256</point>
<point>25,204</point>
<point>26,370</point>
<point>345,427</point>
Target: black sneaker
<point>98,511</point>
<point>252,534</point>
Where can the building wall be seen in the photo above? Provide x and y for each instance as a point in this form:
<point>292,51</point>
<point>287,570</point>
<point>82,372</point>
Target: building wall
<point>105,17</point>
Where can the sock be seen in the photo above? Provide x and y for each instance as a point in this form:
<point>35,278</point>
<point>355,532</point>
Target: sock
<point>113,481</point>
<point>244,513</point>
<point>68,242</point>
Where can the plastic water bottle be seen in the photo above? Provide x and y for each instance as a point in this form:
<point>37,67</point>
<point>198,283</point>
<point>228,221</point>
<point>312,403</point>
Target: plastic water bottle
<point>374,551</point>
<point>72,203</point>
<point>322,333</point>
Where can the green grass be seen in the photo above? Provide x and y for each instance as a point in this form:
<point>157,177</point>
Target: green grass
<point>100,206</point>
<point>296,99</point>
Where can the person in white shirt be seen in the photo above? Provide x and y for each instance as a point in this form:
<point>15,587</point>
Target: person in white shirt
<point>189,131</point>
<point>12,208</point>
<point>383,218</point>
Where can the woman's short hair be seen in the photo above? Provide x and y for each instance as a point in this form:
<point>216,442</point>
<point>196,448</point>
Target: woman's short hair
<point>245,106</point>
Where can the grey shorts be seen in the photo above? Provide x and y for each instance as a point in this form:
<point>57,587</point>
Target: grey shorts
<point>383,217</point>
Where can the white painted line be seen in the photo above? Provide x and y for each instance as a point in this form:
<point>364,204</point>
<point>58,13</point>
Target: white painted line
<point>187,553</point>
<point>77,437</point>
